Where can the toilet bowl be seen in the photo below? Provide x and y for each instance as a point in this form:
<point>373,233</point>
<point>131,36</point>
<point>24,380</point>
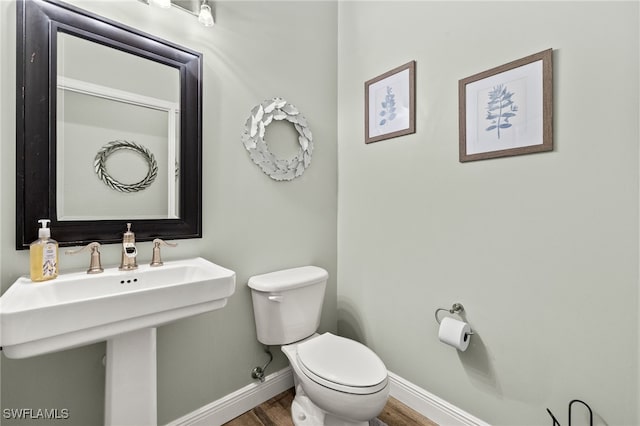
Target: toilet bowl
<point>338,381</point>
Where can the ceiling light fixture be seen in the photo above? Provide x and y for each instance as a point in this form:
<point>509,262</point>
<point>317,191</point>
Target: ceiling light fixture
<point>205,17</point>
<point>204,13</point>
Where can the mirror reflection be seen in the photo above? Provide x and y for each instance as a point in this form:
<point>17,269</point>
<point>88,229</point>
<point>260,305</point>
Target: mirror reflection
<point>135,100</point>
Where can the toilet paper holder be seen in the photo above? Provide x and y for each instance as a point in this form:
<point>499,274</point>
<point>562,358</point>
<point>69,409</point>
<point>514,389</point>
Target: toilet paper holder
<point>456,308</point>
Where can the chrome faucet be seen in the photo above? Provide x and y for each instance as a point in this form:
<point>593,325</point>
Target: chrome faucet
<point>129,251</point>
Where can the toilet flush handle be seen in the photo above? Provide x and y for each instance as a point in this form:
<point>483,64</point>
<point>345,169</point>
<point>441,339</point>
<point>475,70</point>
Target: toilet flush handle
<point>276,298</point>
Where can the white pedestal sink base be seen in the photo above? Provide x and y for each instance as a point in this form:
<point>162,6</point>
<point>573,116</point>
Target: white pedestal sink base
<point>130,388</point>
<point>122,307</point>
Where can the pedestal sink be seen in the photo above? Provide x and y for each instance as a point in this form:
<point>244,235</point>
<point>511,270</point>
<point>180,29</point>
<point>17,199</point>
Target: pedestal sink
<point>122,307</point>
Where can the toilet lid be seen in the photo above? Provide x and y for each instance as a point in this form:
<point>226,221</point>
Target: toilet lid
<point>333,360</point>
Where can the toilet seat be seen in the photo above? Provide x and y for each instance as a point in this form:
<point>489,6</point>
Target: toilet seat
<point>341,364</point>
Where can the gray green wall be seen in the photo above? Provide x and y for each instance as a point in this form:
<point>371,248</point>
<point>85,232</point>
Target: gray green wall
<point>542,250</point>
<point>251,223</point>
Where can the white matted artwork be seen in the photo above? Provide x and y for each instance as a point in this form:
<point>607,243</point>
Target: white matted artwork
<point>507,110</point>
<point>390,104</point>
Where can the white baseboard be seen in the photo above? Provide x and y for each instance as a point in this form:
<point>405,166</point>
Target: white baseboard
<point>429,405</point>
<point>231,406</point>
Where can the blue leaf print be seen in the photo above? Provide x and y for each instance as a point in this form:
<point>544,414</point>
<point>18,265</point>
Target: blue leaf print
<point>500,108</point>
<point>388,107</point>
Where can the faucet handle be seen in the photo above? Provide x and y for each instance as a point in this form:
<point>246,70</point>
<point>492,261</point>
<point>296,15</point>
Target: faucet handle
<point>95,267</point>
<point>156,260</point>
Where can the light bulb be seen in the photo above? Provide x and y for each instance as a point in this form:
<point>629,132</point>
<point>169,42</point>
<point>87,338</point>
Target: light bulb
<point>205,17</point>
<point>165,4</point>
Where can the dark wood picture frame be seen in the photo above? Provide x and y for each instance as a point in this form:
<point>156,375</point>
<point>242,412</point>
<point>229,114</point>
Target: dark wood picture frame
<point>378,113</point>
<point>38,22</point>
<point>525,116</point>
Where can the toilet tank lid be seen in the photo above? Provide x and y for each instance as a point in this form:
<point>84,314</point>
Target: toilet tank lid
<point>288,279</point>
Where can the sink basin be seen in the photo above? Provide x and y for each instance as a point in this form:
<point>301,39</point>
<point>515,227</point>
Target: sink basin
<point>122,307</point>
<point>78,308</point>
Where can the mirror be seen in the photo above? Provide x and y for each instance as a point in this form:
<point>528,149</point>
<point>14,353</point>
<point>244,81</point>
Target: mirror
<point>107,116</point>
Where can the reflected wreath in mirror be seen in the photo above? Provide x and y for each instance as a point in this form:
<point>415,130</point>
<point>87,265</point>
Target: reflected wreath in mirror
<point>108,149</point>
<point>253,139</point>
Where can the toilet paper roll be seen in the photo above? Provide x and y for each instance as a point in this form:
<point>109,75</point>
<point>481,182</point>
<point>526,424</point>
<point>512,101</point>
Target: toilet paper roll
<point>454,333</point>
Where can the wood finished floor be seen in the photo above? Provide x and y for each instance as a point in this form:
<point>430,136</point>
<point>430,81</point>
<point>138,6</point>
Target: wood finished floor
<point>277,412</point>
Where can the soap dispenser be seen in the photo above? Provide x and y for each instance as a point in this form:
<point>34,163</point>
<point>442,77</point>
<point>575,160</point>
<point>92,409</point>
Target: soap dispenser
<point>43,254</point>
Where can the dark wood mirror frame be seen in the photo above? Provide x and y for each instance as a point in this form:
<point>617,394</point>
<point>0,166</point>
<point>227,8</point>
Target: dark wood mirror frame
<point>38,23</point>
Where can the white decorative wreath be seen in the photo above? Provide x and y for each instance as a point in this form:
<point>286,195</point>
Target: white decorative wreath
<point>100,166</point>
<point>253,139</point>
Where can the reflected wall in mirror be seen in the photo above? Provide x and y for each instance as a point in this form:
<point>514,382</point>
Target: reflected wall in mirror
<point>96,106</point>
<point>86,83</point>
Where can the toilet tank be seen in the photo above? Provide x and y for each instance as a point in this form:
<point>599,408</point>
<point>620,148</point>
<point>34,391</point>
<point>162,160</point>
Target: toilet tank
<point>287,304</point>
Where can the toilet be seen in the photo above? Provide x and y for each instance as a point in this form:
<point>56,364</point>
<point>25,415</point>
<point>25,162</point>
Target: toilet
<point>338,381</point>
